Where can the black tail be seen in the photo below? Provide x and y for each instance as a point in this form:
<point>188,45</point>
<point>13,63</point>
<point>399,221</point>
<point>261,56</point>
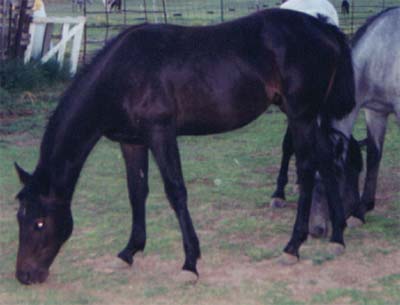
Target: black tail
<point>341,96</point>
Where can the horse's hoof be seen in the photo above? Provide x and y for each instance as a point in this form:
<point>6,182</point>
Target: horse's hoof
<point>287,259</point>
<point>336,249</point>
<point>126,256</point>
<point>187,277</point>
<point>278,203</point>
<point>354,222</point>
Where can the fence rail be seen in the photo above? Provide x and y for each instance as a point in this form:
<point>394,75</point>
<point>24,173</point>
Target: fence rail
<point>72,30</point>
<point>102,24</point>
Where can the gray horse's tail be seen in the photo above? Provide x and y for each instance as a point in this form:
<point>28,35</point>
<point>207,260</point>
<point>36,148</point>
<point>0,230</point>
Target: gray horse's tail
<point>340,95</point>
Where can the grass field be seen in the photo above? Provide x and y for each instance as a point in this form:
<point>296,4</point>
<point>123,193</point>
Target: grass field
<point>229,179</point>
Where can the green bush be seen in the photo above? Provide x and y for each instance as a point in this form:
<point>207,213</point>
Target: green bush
<point>21,82</point>
<point>16,76</point>
<point>5,98</point>
<point>53,73</point>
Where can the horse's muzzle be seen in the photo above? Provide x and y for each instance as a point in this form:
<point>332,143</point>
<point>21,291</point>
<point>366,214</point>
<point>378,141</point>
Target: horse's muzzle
<point>28,277</point>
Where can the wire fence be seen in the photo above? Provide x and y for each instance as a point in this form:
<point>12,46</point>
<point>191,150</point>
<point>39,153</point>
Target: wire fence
<point>102,24</point>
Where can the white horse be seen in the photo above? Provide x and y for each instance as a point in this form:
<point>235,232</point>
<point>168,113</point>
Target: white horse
<point>321,9</point>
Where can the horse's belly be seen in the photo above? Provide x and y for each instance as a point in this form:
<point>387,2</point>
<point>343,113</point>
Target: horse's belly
<point>222,117</point>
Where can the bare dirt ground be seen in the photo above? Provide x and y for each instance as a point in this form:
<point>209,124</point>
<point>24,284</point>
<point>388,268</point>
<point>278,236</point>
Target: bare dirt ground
<point>304,280</point>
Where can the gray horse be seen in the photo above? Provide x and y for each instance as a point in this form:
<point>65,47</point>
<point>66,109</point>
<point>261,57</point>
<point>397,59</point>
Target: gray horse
<point>376,62</point>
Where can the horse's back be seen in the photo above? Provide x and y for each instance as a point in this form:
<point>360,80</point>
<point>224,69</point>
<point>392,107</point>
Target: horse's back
<point>216,78</point>
<point>376,57</point>
<point>201,77</point>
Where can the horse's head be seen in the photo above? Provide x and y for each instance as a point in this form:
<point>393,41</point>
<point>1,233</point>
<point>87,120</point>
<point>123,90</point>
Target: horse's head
<point>45,223</point>
<point>319,218</point>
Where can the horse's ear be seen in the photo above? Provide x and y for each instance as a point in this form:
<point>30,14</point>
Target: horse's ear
<point>24,176</point>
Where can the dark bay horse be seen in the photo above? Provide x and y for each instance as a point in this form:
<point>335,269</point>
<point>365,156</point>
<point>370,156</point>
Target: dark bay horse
<point>376,61</point>
<point>153,83</point>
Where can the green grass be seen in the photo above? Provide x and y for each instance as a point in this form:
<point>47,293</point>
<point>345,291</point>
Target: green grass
<point>229,179</point>
<point>385,291</point>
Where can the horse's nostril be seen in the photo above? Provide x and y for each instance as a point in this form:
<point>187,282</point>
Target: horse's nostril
<point>318,231</point>
<point>24,277</point>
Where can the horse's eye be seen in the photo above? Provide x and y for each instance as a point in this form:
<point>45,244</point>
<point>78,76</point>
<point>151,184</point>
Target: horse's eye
<point>39,224</point>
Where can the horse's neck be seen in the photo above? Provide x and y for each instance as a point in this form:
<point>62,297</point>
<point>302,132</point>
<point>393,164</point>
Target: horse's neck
<point>70,135</point>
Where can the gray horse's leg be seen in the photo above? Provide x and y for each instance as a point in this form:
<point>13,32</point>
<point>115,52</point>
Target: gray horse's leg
<point>376,128</point>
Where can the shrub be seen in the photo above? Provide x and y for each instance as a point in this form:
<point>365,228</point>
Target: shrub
<point>19,80</point>
<point>16,76</point>
<point>5,97</point>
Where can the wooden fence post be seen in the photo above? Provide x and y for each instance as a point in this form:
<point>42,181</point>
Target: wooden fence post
<point>72,30</point>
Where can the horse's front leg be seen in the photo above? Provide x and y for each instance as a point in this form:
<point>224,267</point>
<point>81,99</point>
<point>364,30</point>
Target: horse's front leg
<point>136,162</point>
<point>164,146</point>
<point>278,197</point>
<point>332,150</point>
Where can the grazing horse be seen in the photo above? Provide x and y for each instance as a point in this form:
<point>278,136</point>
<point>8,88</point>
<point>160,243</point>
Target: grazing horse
<point>153,83</point>
<point>321,9</point>
<point>324,11</point>
<point>376,61</point>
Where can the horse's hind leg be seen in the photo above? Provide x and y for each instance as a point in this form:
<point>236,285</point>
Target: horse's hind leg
<point>278,197</point>
<point>136,162</point>
<point>306,167</point>
<point>376,129</point>
<point>163,144</point>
